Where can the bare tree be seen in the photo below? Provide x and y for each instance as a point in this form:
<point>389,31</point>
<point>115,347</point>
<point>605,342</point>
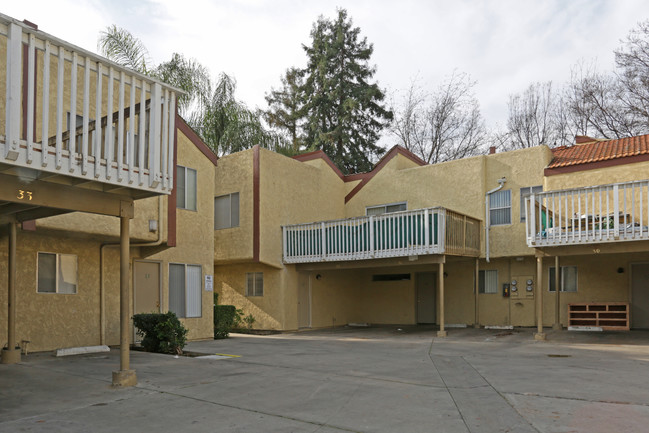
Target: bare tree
<point>632,61</point>
<point>533,117</point>
<point>441,126</point>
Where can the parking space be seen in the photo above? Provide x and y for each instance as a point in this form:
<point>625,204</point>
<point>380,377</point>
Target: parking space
<point>346,379</point>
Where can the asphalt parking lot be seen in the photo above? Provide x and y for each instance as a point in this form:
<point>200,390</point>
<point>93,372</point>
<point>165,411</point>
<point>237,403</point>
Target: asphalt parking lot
<point>383,379</point>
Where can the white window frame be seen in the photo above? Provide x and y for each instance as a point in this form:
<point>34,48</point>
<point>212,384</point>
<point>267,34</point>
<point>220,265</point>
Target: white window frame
<point>56,276</point>
<point>385,208</point>
<point>491,209</point>
<point>185,204</point>
<point>185,314</point>
<point>488,290</point>
<point>231,223</point>
<point>526,192</point>
<point>562,275</point>
<point>254,290</point>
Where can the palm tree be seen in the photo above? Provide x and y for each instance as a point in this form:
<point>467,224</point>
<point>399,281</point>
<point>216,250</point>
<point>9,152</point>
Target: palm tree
<point>225,124</point>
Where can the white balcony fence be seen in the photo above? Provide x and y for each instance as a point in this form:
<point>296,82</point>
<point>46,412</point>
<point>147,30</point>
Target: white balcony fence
<point>399,234</point>
<point>70,112</point>
<point>605,213</point>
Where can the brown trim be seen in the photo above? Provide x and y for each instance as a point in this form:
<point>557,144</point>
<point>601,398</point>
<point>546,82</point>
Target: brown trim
<point>194,138</point>
<point>594,165</point>
<point>30,24</point>
<point>320,154</point>
<point>171,198</point>
<point>366,177</point>
<point>255,203</point>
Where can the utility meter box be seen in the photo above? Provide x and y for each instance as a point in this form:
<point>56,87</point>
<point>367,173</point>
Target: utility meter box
<point>522,287</point>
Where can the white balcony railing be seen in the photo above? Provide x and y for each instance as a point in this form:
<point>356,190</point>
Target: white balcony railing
<point>70,112</point>
<point>399,234</point>
<point>605,213</point>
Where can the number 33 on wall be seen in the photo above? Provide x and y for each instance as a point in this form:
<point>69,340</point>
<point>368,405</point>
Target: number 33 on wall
<point>24,195</point>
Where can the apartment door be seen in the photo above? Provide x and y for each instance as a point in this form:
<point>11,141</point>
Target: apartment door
<point>304,301</point>
<point>640,295</point>
<point>146,290</point>
<point>426,289</point>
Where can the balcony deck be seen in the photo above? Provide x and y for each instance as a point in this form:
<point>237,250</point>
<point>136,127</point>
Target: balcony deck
<point>400,234</point>
<point>591,215</point>
<point>72,119</point>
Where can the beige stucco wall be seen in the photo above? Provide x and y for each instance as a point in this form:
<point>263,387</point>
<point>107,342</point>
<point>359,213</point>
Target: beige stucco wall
<point>52,321</point>
<point>234,173</point>
<point>292,192</point>
<point>599,176</point>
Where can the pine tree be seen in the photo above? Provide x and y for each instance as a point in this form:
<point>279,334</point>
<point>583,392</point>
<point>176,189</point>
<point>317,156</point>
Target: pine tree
<point>284,112</point>
<point>343,110</point>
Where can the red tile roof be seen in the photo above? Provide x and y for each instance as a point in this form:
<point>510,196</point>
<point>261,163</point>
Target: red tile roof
<point>599,150</point>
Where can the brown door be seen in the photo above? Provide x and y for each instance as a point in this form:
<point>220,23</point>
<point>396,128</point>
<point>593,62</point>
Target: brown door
<point>304,301</point>
<point>147,287</point>
<point>640,296</point>
<point>426,293</point>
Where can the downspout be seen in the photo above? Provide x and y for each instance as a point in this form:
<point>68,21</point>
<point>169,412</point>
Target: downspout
<point>501,183</point>
<point>102,302</point>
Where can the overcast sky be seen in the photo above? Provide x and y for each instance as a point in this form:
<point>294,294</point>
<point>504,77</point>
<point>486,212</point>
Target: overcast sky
<point>503,45</point>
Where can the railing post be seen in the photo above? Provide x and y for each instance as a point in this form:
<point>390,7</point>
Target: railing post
<point>14,69</point>
<point>530,217</point>
<point>616,211</point>
<point>323,246</point>
<point>284,246</point>
<point>441,230</point>
<point>371,243</point>
<point>155,127</point>
<point>426,230</point>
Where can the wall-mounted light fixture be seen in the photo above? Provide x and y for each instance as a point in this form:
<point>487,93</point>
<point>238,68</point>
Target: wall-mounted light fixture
<point>620,270</point>
<point>318,277</point>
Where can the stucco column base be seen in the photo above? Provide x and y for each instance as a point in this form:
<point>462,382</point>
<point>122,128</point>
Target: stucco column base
<point>557,327</point>
<point>10,356</point>
<point>539,336</point>
<point>476,326</point>
<point>442,333</point>
<point>124,378</point>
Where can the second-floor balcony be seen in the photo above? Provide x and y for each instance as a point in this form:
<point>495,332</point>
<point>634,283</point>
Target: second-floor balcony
<point>597,214</point>
<point>400,234</point>
<point>75,118</point>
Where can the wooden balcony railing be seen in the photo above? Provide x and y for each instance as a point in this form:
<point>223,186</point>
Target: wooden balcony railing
<point>597,214</point>
<point>69,112</point>
<point>399,234</point>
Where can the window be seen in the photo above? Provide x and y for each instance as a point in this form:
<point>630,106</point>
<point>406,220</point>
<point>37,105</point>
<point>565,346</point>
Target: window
<point>185,290</point>
<point>500,208</point>
<point>385,208</point>
<point>254,284</point>
<point>226,211</point>
<point>57,273</point>
<point>568,275</point>
<point>488,281</point>
<point>526,192</point>
<point>185,188</point>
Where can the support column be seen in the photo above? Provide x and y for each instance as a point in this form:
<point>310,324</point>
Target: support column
<point>125,376</point>
<point>476,288</point>
<point>557,285</point>
<point>11,355</point>
<point>539,335</point>
<point>440,287</point>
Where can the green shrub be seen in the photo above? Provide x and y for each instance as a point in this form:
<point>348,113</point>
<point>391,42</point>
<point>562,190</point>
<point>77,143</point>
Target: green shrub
<point>161,332</point>
<point>224,319</point>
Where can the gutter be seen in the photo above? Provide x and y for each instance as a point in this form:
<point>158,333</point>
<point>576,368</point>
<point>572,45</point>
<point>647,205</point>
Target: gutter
<point>102,301</point>
<point>501,183</point>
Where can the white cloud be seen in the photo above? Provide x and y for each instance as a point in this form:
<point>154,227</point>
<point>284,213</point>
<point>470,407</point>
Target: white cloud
<point>504,45</point>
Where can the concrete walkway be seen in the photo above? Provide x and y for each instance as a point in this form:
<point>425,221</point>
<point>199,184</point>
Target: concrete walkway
<point>386,379</point>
